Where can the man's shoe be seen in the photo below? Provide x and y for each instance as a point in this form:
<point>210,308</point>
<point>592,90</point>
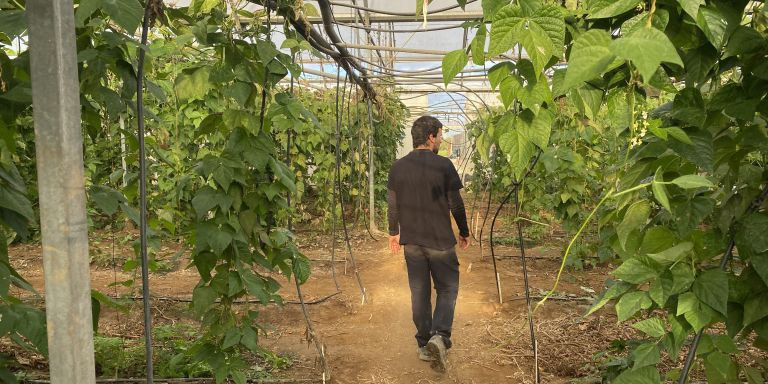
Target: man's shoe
<point>436,348</point>
<point>424,354</point>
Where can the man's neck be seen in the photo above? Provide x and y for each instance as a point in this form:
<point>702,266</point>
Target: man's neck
<point>423,147</point>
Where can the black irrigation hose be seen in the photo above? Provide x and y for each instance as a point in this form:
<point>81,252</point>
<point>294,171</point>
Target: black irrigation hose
<point>489,187</point>
<point>337,181</point>
<point>756,203</point>
<point>333,201</point>
<point>493,255</point>
<point>515,187</point>
<point>143,192</point>
<point>519,223</point>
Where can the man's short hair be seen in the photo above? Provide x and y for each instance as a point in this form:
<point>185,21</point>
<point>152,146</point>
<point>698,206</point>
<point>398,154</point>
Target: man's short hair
<point>422,128</point>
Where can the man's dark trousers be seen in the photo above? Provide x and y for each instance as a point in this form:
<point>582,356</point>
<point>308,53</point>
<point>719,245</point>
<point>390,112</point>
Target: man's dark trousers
<point>443,267</point>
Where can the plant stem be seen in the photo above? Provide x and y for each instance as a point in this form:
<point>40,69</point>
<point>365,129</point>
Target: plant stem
<point>573,240</point>
<point>649,22</point>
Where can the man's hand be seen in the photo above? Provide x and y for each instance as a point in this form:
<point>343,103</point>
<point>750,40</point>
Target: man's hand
<point>394,243</point>
<point>463,242</point>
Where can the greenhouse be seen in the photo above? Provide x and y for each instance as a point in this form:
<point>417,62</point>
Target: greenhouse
<point>383,192</point>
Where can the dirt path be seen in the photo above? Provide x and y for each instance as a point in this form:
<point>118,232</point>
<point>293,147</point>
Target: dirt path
<point>373,342</point>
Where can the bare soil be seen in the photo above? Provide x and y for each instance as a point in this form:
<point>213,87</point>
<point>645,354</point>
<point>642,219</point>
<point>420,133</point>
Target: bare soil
<point>373,342</point>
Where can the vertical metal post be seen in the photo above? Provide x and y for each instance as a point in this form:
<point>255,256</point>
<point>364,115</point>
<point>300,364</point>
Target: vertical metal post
<point>371,166</point>
<point>371,174</point>
<point>60,173</point>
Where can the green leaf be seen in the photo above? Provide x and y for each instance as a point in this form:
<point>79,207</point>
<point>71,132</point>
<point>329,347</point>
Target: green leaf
<point>691,7</point>
<point>713,23</point>
<point>659,190</point>
<point>692,181</point>
<point>504,28</point>
<point>686,302</point>
<point>250,339</point>
<point>538,129</point>
<point>491,7</point>
<point>720,368</point>
<point>754,376</point>
<point>697,314</point>
<point>652,327</point>
<point>231,338</point>
<point>679,135</point>
<point>266,50</point>
<point>683,276</point>
<point>13,22</point>
<point>631,303</point>
<point>301,268</point>
<point>540,33</point>
<point>634,219</point>
<point>760,264</point>
<point>635,271</point>
<point>499,72</point>
<point>755,308</point>
<point>205,200</point>
<point>646,48</point>
<point>614,291</point>
<point>84,10</point>
<point>590,57</point>
<point>711,287</point>
<point>219,240</point>
<point>608,8</point>
<point>744,40</point>
<point>203,6</point>
<point>725,344</point>
<point>751,238</point>
<point>126,13</point>
<point>537,45</point>
<point>478,45</point>
<point>193,83</point>
<point>106,199</point>
<point>672,255</point>
<point>202,299</point>
<point>453,63</point>
<point>645,355</point>
<point>519,151</point>
<point>17,202</point>
<point>644,375</point>
<point>659,21</point>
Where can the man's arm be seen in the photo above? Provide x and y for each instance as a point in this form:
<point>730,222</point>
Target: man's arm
<point>394,221</point>
<point>456,204</point>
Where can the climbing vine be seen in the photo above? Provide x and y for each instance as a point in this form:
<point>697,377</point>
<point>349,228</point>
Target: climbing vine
<point>683,86</point>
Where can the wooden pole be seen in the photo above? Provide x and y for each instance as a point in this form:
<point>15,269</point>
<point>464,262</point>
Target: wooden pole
<point>60,172</point>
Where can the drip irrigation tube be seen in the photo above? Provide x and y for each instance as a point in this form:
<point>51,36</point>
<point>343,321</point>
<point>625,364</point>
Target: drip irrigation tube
<point>143,193</point>
<point>534,343</point>
<point>182,380</point>
<point>489,188</point>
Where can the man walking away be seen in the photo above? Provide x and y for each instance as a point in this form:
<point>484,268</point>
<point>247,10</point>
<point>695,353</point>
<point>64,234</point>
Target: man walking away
<point>423,189</point>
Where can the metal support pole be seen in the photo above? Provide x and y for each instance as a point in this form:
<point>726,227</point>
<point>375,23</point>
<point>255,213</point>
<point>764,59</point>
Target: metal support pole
<point>60,172</point>
<point>371,173</point>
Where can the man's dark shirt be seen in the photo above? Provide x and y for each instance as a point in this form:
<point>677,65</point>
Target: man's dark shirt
<point>423,190</point>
